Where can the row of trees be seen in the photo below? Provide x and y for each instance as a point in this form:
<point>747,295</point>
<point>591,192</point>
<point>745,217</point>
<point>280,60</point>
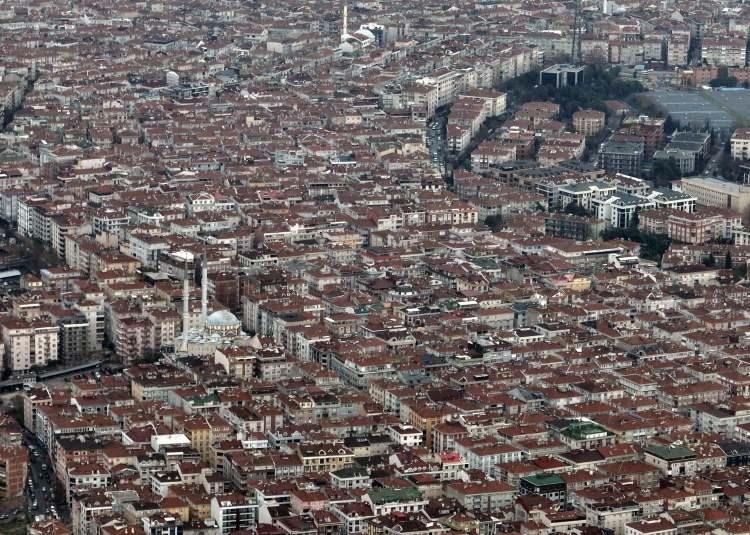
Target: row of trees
<point>653,246</point>
<point>724,79</point>
<point>710,260</point>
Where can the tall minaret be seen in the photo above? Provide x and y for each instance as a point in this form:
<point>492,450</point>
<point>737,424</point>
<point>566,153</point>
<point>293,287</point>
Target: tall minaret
<point>345,25</point>
<point>204,292</point>
<point>185,308</point>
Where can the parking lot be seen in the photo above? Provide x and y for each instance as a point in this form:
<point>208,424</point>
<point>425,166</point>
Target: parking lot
<point>721,110</point>
<point>736,102</point>
<point>691,108</point>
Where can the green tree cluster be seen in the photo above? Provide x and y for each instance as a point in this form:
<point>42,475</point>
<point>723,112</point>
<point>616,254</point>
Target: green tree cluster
<point>653,246</point>
<point>573,208</point>
<point>495,222</point>
<point>600,83</point>
<point>665,171</point>
<point>710,260</point>
<point>723,79</point>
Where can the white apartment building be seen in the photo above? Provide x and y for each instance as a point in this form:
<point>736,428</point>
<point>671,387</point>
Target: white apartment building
<point>109,220</point>
<point>740,144</point>
<point>676,200</point>
<point>146,248</point>
<point>448,83</point>
<point>82,477</point>
<point>28,344</point>
<point>405,435</point>
<point>233,512</point>
<point>726,52</point>
<point>618,210</point>
<point>583,194</point>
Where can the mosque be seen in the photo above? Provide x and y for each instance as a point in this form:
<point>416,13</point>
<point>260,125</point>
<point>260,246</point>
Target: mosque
<point>365,37</point>
<point>219,329</point>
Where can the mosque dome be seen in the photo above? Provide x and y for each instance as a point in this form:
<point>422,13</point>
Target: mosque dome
<point>222,319</point>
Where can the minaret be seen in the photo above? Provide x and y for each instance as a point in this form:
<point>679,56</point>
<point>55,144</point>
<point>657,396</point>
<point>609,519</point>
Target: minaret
<point>204,293</point>
<point>185,308</point>
<point>345,25</point>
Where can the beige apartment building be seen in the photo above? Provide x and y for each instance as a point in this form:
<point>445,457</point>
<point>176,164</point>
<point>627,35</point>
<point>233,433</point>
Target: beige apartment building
<point>588,122</point>
<point>714,192</point>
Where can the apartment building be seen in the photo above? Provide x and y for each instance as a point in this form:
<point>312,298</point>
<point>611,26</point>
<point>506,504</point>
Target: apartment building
<point>233,512</point>
<point>672,199</point>
<point>448,84</point>
<point>583,194</point>
<point>488,496</point>
<point>621,157</point>
<point>29,343</point>
<point>710,191</point>
<point>14,464</point>
<point>84,477</point>
<point>678,46</point>
<point>618,210</point>
<point>726,52</point>
<point>740,144</point>
<point>694,228</point>
<point>325,457</point>
<point>588,122</point>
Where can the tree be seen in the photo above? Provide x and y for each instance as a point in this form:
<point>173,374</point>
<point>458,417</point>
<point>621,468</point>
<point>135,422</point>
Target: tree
<point>730,168</point>
<point>636,219</point>
<point>728,260</point>
<point>599,84</point>
<point>710,260</point>
<point>723,79</point>
<point>670,125</point>
<point>15,408</point>
<point>740,272</point>
<point>653,246</point>
<point>574,208</point>
<point>494,221</point>
<point>665,171</point>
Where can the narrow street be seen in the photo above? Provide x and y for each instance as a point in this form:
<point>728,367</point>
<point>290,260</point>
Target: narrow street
<point>43,495</point>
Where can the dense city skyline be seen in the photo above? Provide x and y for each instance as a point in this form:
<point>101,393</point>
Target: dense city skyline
<point>374,268</point>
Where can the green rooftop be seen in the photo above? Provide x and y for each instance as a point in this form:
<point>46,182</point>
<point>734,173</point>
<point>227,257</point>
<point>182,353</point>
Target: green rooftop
<point>585,431</point>
<point>543,480</point>
<point>671,453</point>
<point>486,263</point>
<point>383,495</point>
<point>354,471</point>
<point>207,399</point>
